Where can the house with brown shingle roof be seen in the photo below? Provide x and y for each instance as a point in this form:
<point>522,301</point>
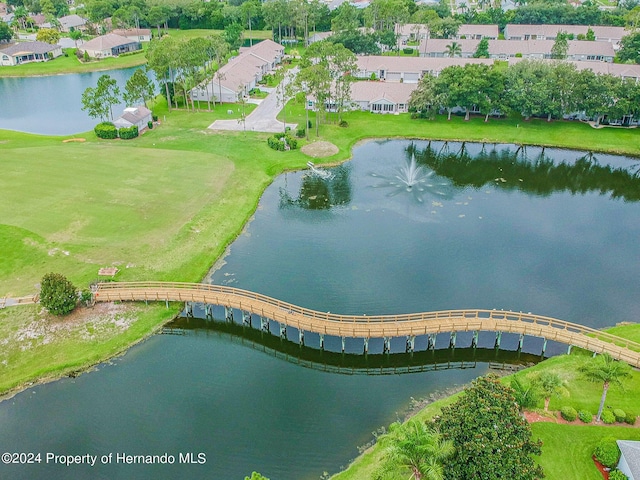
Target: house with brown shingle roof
<point>139,116</point>
<point>382,97</point>
<point>407,69</point>
<point>478,32</point>
<point>27,52</point>
<point>241,74</point>
<point>110,45</point>
<point>72,22</point>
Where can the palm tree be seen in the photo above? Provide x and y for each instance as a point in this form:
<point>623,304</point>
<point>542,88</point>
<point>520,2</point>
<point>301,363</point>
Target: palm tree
<point>526,395</point>
<point>417,448</point>
<point>453,49</point>
<point>605,369</point>
<point>549,385</point>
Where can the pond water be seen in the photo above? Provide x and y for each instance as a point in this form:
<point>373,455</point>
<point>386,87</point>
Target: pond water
<point>553,232</point>
<point>37,104</point>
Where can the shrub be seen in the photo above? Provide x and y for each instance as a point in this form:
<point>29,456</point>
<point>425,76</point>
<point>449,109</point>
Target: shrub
<point>617,475</point>
<point>408,51</point>
<point>309,124</point>
<point>607,452</point>
<point>86,296</point>
<point>619,414</point>
<point>630,419</point>
<point>106,130</point>
<point>608,417</point>
<point>86,56</point>
<point>301,132</point>
<point>155,118</point>
<point>585,417</point>
<point>277,142</point>
<point>568,413</point>
<point>343,123</point>
<point>150,124</point>
<point>518,55</point>
<point>127,133</point>
<point>57,294</point>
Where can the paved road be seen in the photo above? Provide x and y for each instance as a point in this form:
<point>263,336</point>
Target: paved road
<point>263,118</point>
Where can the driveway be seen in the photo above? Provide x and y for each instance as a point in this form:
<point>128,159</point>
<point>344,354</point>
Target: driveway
<point>263,118</point>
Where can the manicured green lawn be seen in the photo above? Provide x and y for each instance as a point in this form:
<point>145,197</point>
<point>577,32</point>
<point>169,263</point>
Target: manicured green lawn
<point>567,449</point>
<point>71,64</point>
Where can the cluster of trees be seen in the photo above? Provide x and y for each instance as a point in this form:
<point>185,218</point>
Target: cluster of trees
<point>324,76</point>
<point>183,64</point>
<point>530,88</point>
<point>483,434</point>
<point>98,102</point>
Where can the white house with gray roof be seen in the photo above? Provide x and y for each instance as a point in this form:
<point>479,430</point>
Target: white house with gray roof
<point>72,22</point>
<point>139,116</point>
<point>110,45</point>
<point>629,462</point>
<point>27,52</point>
<point>513,31</point>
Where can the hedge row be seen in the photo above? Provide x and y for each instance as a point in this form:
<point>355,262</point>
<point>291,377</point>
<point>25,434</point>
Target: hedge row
<point>108,131</point>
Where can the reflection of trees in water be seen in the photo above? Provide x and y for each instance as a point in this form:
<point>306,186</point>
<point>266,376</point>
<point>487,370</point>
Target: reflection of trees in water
<point>539,175</point>
<point>317,193</point>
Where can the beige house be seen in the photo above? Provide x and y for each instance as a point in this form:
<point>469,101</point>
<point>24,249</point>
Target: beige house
<point>478,32</point>
<point>407,69</point>
<point>110,45</point>
<point>27,52</point>
<point>550,32</point>
<point>382,97</point>
<point>135,34</point>
<point>578,50</point>
<point>72,22</point>
<point>241,74</point>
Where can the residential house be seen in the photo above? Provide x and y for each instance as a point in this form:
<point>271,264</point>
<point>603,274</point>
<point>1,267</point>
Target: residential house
<point>578,50</point>
<point>319,36</point>
<point>110,45</point>
<point>26,52</point>
<point>135,34</point>
<point>382,97</point>
<point>39,21</point>
<point>550,32</point>
<point>72,22</point>
<point>629,462</point>
<point>411,32</point>
<point>407,69</point>
<point>139,116</point>
<point>477,32</point>
<point>241,74</point>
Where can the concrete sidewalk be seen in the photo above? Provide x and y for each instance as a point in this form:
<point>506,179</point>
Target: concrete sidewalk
<point>263,118</point>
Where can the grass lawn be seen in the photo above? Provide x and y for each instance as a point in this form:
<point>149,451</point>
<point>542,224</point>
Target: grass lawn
<point>71,64</point>
<point>203,32</point>
<point>567,449</point>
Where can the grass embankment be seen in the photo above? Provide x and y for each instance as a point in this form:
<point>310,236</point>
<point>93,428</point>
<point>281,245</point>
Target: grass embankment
<point>166,205</point>
<point>567,449</point>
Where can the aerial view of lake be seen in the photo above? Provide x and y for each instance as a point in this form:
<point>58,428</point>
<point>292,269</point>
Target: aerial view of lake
<point>405,226</point>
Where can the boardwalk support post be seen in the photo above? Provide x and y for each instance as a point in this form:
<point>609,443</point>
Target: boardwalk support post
<point>498,340</point>
<point>343,342</point>
<point>366,345</point>
<point>188,309</point>
<point>520,341</point>
<point>474,339</point>
<point>246,318</point>
<point>431,343</point>
<point>386,345</point>
<point>228,314</point>
<point>264,324</point>
<point>283,331</point>
<point>544,347</point>
<point>569,349</point>
<point>208,311</point>
<point>301,337</point>
<point>166,302</point>
<point>411,343</point>
<point>452,340</point>
<point>322,341</point>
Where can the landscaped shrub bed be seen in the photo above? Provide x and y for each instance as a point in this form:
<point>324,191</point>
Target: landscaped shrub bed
<point>607,452</point>
<point>630,419</point>
<point>128,133</point>
<point>106,130</point>
<point>619,414</point>
<point>617,475</point>
<point>281,142</point>
<point>608,417</point>
<point>569,413</point>
<point>585,417</point>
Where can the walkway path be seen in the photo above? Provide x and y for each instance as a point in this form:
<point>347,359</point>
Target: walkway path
<point>377,326</point>
<point>263,118</point>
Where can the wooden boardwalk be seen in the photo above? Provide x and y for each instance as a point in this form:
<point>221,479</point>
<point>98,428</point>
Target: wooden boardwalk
<point>375,326</point>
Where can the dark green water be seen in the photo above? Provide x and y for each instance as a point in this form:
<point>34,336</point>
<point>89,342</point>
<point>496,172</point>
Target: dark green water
<point>506,231</point>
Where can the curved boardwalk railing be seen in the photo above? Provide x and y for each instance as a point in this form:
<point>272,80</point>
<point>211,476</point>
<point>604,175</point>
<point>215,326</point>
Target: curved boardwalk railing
<point>375,326</point>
